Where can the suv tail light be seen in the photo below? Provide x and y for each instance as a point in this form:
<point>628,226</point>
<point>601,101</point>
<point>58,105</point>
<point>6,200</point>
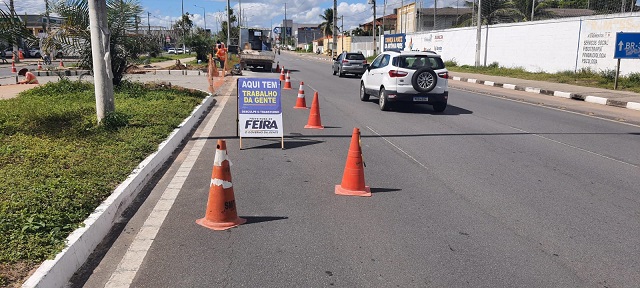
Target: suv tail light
<point>345,61</point>
<point>397,73</point>
<point>364,61</point>
<point>444,75</point>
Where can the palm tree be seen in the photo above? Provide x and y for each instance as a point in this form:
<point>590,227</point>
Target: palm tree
<point>74,33</point>
<point>327,26</point>
<point>11,30</point>
<point>494,12</point>
<point>540,9</point>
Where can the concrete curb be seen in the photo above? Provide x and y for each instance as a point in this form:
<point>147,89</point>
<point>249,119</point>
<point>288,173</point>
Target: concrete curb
<point>568,95</point>
<point>82,241</point>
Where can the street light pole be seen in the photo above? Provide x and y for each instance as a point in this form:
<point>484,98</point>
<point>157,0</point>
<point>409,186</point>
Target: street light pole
<point>204,12</point>
<point>479,34</point>
<point>183,35</point>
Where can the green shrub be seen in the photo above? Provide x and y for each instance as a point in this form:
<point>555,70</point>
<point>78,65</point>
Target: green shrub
<point>450,63</point>
<point>608,74</point>
<point>494,65</point>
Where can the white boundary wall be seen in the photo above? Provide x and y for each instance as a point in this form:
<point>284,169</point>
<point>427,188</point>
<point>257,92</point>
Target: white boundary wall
<point>567,44</point>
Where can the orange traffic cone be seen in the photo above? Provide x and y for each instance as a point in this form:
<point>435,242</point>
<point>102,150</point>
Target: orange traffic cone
<point>39,65</point>
<point>61,64</point>
<point>353,176</point>
<point>282,74</point>
<point>13,67</point>
<point>314,121</point>
<point>301,103</point>
<point>278,67</point>
<point>287,84</point>
<point>221,207</point>
<point>20,55</point>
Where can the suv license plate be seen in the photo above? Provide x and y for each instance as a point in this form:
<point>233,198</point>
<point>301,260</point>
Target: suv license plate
<point>420,99</point>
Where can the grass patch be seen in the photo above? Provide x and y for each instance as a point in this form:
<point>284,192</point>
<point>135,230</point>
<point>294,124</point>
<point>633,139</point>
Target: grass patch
<point>584,77</point>
<point>164,57</point>
<point>58,165</point>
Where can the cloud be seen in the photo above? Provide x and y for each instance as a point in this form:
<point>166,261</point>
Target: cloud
<point>26,6</point>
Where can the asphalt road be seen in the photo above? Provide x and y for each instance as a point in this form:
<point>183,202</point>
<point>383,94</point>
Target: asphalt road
<point>491,193</point>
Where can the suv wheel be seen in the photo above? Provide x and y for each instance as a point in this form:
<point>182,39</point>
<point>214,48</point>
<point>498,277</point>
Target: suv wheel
<point>340,73</point>
<point>424,80</point>
<point>440,106</point>
<point>333,70</point>
<point>384,104</point>
<point>363,94</point>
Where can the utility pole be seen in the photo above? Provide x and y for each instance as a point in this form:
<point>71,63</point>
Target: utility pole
<point>435,8</point>
<point>183,35</point>
<point>16,52</point>
<point>401,12</point>
<point>375,46</point>
<point>533,8</point>
<point>342,32</point>
<point>239,26</point>
<point>48,10</point>
<point>418,26</point>
<point>100,50</point>
<point>149,23</point>
<point>228,23</point>
<point>335,19</point>
<point>384,14</point>
<point>285,26</point>
<point>479,33</point>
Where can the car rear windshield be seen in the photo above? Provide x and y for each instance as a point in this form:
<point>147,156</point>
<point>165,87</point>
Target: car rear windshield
<point>419,61</point>
<point>355,57</point>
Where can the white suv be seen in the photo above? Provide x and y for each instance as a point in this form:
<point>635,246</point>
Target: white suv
<point>406,76</point>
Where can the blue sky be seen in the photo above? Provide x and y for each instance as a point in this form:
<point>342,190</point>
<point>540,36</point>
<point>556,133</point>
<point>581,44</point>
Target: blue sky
<point>262,13</point>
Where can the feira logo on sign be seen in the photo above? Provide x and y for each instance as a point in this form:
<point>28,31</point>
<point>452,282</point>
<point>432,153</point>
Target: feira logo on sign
<point>259,108</point>
<point>394,41</point>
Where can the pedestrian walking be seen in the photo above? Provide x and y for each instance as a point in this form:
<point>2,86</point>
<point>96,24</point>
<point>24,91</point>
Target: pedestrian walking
<point>3,56</point>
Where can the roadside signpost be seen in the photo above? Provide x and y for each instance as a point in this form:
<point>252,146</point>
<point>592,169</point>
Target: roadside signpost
<point>260,109</point>
<point>627,47</point>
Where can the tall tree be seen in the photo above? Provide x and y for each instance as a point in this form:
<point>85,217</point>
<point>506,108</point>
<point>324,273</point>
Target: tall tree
<point>11,30</point>
<point>494,12</point>
<point>184,26</point>
<point>74,34</point>
<point>222,34</point>
<point>327,25</point>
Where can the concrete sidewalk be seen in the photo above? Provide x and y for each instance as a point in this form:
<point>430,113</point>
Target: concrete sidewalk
<point>609,97</point>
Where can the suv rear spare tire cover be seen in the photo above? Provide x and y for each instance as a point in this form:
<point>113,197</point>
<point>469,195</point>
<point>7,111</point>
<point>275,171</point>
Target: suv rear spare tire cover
<point>424,80</point>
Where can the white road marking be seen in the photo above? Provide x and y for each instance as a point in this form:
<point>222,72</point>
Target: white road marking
<point>574,147</point>
<point>130,263</point>
<point>396,146</point>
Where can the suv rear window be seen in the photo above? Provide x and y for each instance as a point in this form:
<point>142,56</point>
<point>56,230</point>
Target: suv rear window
<point>355,56</point>
<point>419,61</point>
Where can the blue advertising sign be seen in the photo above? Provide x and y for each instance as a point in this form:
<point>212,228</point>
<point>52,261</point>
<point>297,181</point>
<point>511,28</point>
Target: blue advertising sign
<point>394,41</point>
<point>627,46</point>
<point>259,107</point>
<point>288,31</point>
<point>276,30</point>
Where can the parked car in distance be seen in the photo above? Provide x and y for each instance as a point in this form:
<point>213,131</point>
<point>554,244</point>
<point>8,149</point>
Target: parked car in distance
<point>172,51</point>
<point>410,77</point>
<point>34,52</point>
<point>349,63</point>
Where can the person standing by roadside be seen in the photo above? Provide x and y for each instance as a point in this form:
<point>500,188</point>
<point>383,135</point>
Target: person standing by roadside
<point>222,55</point>
<point>3,56</point>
